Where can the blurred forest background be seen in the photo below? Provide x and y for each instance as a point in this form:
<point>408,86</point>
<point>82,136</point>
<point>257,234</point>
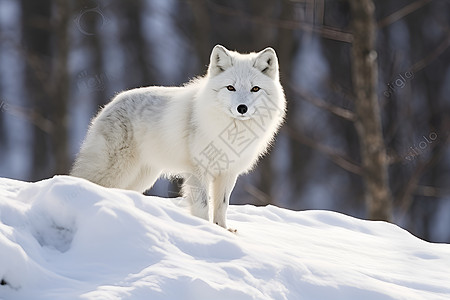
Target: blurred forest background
<point>368,115</point>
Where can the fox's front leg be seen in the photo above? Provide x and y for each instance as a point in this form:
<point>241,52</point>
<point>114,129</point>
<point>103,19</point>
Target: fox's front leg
<point>222,187</point>
<point>195,191</point>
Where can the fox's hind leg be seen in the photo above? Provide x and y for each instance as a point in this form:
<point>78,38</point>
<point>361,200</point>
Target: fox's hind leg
<point>109,156</point>
<point>195,191</point>
<point>95,164</point>
<point>144,179</point>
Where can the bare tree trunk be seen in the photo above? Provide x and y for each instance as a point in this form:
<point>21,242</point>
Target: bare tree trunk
<point>132,37</point>
<point>60,88</point>
<point>3,134</point>
<point>202,28</point>
<point>35,18</point>
<point>44,27</point>
<point>280,39</point>
<point>368,122</point>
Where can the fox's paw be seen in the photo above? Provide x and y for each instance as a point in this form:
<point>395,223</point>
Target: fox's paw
<point>232,230</point>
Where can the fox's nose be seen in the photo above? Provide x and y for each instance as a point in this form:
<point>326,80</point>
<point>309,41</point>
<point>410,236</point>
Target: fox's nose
<point>242,109</point>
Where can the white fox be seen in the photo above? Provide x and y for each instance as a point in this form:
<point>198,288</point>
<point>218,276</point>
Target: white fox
<point>208,131</point>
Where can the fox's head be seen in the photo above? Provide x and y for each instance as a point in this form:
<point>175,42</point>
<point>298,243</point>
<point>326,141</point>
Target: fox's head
<point>244,82</point>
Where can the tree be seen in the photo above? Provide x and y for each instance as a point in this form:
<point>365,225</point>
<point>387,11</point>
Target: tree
<point>44,27</point>
<point>60,87</point>
<point>368,119</point>
<point>37,48</point>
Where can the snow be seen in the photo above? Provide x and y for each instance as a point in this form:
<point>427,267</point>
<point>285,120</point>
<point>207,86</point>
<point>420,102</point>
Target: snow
<point>66,238</point>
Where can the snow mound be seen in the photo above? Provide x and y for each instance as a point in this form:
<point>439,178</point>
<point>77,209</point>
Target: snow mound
<point>66,238</point>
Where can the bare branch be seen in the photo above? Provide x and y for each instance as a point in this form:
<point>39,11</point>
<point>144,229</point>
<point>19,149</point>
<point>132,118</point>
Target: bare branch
<point>325,31</point>
<point>342,92</point>
<point>410,187</point>
<point>259,195</point>
<point>431,191</point>
<point>335,156</point>
<point>341,112</point>
<point>31,116</point>
<point>404,11</point>
<point>432,55</point>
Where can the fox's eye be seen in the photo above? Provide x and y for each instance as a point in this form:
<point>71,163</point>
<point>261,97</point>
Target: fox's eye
<point>255,89</point>
<point>231,88</point>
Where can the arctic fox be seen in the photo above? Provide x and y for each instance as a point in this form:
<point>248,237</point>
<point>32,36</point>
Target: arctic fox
<point>208,131</point>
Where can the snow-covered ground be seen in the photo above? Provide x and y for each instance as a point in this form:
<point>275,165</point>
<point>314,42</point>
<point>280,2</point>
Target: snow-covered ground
<point>66,238</point>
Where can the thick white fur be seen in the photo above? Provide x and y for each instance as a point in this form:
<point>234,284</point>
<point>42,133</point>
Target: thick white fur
<point>194,131</point>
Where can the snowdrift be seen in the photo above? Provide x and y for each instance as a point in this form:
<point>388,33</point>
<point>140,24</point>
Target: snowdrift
<point>66,238</point>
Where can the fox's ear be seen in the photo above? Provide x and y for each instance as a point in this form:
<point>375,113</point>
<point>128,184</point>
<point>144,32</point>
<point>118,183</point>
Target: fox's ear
<point>267,63</point>
<point>220,60</point>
